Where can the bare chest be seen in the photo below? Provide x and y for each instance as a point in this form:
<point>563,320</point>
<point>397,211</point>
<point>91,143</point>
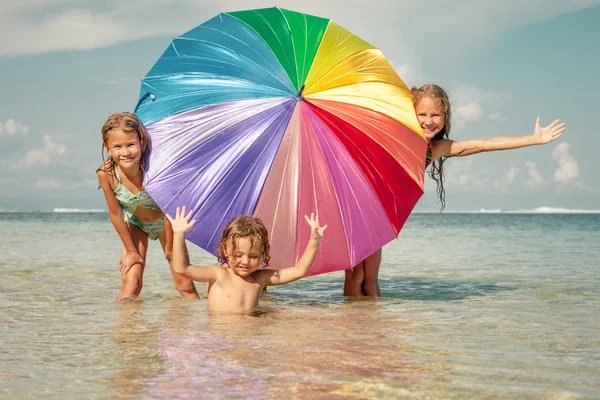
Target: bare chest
<point>233,294</point>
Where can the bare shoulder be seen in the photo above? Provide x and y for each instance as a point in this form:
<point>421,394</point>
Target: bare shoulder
<point>263,276</point>
<point>105,171</point>
<point>219,271</point>
<point>206,273</point>
<point>105,168</point>
<point>106,175</point>
<point>441,148</point>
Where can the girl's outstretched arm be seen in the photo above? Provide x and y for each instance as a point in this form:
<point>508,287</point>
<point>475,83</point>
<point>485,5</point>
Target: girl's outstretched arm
<point>300,270</point>
<point>450,148</point>
<point>132,255</point>
<point>181,264</point>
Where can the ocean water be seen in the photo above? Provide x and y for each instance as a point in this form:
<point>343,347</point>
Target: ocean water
<point>474,306</point>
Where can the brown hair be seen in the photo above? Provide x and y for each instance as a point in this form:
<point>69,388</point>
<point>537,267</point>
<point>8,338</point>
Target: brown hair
<point>127,122</point>
<point>245,226</point>
<point>437,167</point>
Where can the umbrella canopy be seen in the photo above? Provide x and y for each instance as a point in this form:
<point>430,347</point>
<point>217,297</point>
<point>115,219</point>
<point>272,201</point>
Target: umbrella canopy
<point>279,114</point>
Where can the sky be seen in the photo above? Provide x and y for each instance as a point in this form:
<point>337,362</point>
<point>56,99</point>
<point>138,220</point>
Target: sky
<point>65,65</point>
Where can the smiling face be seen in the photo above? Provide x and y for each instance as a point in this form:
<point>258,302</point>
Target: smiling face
<point>245,256</point>
<point>430,113</point>
<point>124,148</point>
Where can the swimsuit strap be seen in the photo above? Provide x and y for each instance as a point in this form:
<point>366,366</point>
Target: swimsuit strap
<point>429,155</point>
<point>116,169</point>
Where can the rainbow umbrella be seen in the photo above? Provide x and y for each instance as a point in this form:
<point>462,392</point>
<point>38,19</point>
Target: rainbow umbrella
<point>279,114</point>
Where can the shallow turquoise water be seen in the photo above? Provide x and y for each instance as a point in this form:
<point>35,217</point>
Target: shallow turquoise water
<point>494,306</point>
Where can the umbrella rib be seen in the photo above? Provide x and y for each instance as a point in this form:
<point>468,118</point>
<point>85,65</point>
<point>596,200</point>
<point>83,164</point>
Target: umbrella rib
<point>279,41</point>
<point>281,187</point>
<point>156,91</point>
<point>231,51</point>
<point>353,195</point>
<point>252,169</point>
<point>337,48</point>
<point>330,182</point>
<point>305,52</point>
<point>279,102</point>
<point>347,73</point>
<point>204,92</point>
<point>287,24</point>
<point>175,48</point>
<point>376,127</point>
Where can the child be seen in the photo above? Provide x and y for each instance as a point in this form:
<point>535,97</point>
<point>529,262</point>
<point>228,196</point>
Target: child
<point>244,248</point>
<point>433,112</point>
<point>133,213</point>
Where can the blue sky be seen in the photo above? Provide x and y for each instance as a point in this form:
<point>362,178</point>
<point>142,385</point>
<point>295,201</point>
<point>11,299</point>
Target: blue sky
<point>67,64</point>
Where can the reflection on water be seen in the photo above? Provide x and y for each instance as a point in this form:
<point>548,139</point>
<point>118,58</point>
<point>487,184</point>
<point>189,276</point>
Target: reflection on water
<point>136,351</point>
<point>313,351</point>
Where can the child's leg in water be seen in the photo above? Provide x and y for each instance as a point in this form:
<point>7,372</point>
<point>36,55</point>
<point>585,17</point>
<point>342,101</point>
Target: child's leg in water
<point>371,282</point>
<point>184,286</point>
<point>354,280</point>
<point>132,282</point>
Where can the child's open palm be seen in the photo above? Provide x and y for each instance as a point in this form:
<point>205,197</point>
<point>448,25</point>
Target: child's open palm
<point>548,133</point>
<point>317,230</point>
<point>181,223</point>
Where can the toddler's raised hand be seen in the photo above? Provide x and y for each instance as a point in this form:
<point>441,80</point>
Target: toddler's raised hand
<point>181,223</point>
<point>317,230</point>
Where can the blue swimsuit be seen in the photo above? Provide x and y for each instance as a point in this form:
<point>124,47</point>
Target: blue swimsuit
<point>129,203</point>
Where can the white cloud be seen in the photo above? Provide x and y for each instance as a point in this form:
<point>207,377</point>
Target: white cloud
<point>461,172</point>
<point>466,113</point>
<point>37,26</point>
<point>46,155</point>
<point>515,180</point>
<point>90,182</point>
<point>409,74</point>
<point>469,103</point>
<point>511,174</point>
<point>53,183</point>
<point>497,116</point>
<point>11,127</point>
<point>535,178</point>
<point>48,184</point>
<point>568,168</point>
<point>463,180</point>
<point>586,188</point>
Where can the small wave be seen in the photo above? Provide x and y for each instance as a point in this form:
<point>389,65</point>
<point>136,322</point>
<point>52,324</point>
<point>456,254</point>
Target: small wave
<point>558,210</point>
<point>537,210</point>
<point>77,210</point>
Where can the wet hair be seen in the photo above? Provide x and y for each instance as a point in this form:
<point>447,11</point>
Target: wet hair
<point>127,122</point>
<point>436,172</point>
<point>245,226</point>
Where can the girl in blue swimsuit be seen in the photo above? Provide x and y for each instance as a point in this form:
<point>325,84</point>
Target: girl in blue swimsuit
<point>433,112</point>
<point>133,213</point>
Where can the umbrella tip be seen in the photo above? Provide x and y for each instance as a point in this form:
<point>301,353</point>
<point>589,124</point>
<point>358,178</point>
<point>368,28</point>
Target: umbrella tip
<point>300,96</point>
<point>144,97</point>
